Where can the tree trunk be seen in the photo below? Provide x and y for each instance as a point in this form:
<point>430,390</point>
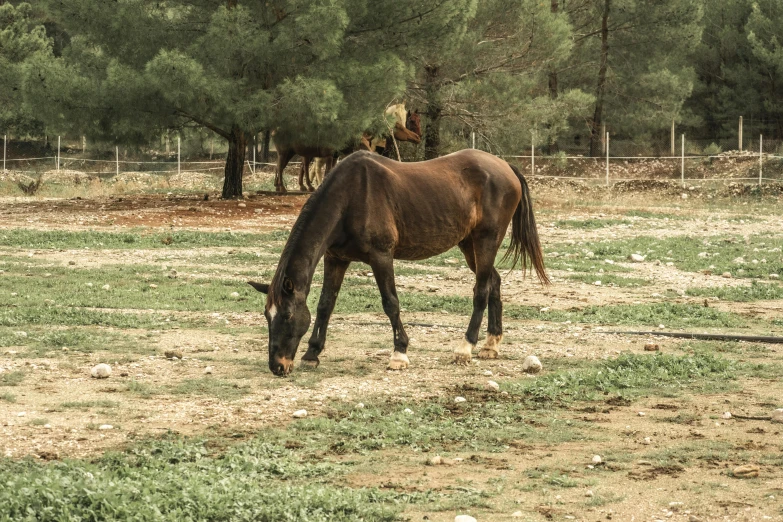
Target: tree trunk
<point>433,112</point>
<point>552,146</point>
<point>265,146</point>
<point>235,163</point>
<point>595,130</point>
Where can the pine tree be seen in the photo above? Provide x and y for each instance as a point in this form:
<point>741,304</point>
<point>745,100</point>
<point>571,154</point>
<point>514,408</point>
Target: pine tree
<point>21,39</point>
<point>319,71</point>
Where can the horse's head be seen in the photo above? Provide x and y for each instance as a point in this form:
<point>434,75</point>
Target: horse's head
<point>288,317</point>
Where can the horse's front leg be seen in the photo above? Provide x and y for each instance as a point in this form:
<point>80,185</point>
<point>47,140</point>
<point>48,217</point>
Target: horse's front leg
<point>383,270</point>
<point>334,273</point>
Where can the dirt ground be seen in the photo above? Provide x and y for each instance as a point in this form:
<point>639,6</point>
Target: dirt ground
<point>632,488</point>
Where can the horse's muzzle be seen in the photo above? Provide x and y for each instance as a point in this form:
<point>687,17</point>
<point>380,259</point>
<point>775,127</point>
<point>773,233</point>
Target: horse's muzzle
<point>281,366</point>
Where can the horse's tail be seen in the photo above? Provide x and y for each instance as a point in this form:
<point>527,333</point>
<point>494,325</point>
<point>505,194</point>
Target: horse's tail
<point>524,235</point>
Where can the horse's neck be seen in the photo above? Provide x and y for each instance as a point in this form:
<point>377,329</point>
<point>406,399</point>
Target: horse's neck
<point>312,236</point>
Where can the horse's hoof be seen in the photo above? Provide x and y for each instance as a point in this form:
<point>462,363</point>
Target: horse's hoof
<point>398,361</point>
<point>462,354</point>
<point>488,353</point>
<point>309,364</point>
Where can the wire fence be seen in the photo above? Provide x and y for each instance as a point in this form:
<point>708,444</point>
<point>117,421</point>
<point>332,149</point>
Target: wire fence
<point>696,161</point>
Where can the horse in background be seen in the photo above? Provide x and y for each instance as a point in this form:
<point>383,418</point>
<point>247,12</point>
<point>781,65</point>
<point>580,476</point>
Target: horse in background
<point>400,131</point>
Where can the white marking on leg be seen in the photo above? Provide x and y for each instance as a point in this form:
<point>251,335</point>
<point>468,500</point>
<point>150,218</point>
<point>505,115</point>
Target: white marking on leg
<point>463,352</point>
<point>490,348</point>
<point>272,312</point>
<point>398,361</point>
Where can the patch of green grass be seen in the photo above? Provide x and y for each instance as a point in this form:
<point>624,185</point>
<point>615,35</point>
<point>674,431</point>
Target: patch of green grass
<point>480,424</point>
<point>629,375</point>
<point>610,280</point>
<point>673,315</point>
<point>211,386</point>
<point>71,316</point>
<point>591,224</point>
<point>39,421</point>
<point>138,239</point>
<point>181,481</point>
<point>14,378</point>
<point>142,389</point>
<point>7,397</point>
<point>651,215</point>
<point>757,291</point>
<point>86,405</point>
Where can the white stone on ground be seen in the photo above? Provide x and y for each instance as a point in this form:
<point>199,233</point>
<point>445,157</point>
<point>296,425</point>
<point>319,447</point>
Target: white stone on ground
<point>597,459</point>
<point>408,411</point>
<point>359,405</point>
<point>459,399</point>
<point>300,414</point>
<point>726,415</point>
<point>105,427</point>
<point>208,370</point>
<point>487,373</point>
<point>106,287</point>
<point>100,371</point>
<point>777,415</point>
<point>492,385</point>
<point>531,364</point>
<point>234,294</point>
<point>464,518</point>
<point>636,258</point>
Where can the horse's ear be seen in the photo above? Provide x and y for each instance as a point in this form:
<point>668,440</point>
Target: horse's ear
<point>261,287</point>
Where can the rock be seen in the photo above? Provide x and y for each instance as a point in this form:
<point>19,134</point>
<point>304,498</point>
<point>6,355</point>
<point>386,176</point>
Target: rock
<point>647,440</point>
<point>636,258</point>
<point>774,276</point>
<point>589,493</point>
<point>727,275</point>
<point>651,347</point>
<point>493,386</point>
<point>597,283</point>
<point>153,285</point>
<point>640,414</point>
<point>531,364</point>
<point>359,405</point>
<point>464,518</point>
<point>71,263</point>
<point>106,287</point>
<point>516,514</point>
<point>173,274</point>
<point>241,205</point>
<point>432,288</point>
<point>694,518</point>
<point>208,370</point>
<point>105,427</point>
<point>487,373</point>
<point>408,411</point>
<point>300,414</point>
<point>777,415</point>
<point>435,461</point>
<point>172,354</point>
<point>597,459</point>
<point>459,399</point>
<point>746,471</point>
<point>726,415</point>
<point>234,294</point>
<point>100,371</point>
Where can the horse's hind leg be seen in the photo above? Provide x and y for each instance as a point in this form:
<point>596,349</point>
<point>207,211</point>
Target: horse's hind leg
<point>283,157</point>
<point>484,250</point>
<point>495,326</point>
<point>383,269</point>
<point>334,272</point>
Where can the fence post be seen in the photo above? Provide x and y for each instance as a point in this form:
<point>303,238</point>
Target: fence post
<point>179,150</point>
<point>761,156</point>
<point>682,165</point>
<point>606,141</point>
<point>58,153</point>
<point>532,153</point>
<point>117,158</point>
<point>5,139</point>
<point>473,138</point>
<point>673,139</point>
<point>739,140</point>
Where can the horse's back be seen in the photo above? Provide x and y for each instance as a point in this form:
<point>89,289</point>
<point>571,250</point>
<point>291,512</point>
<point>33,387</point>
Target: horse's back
<point>423,209</point>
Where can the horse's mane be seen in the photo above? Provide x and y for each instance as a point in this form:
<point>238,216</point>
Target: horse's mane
<point>307,215</point>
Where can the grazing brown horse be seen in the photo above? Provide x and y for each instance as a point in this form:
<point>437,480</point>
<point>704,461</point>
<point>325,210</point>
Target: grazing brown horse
<point>375,210</point>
